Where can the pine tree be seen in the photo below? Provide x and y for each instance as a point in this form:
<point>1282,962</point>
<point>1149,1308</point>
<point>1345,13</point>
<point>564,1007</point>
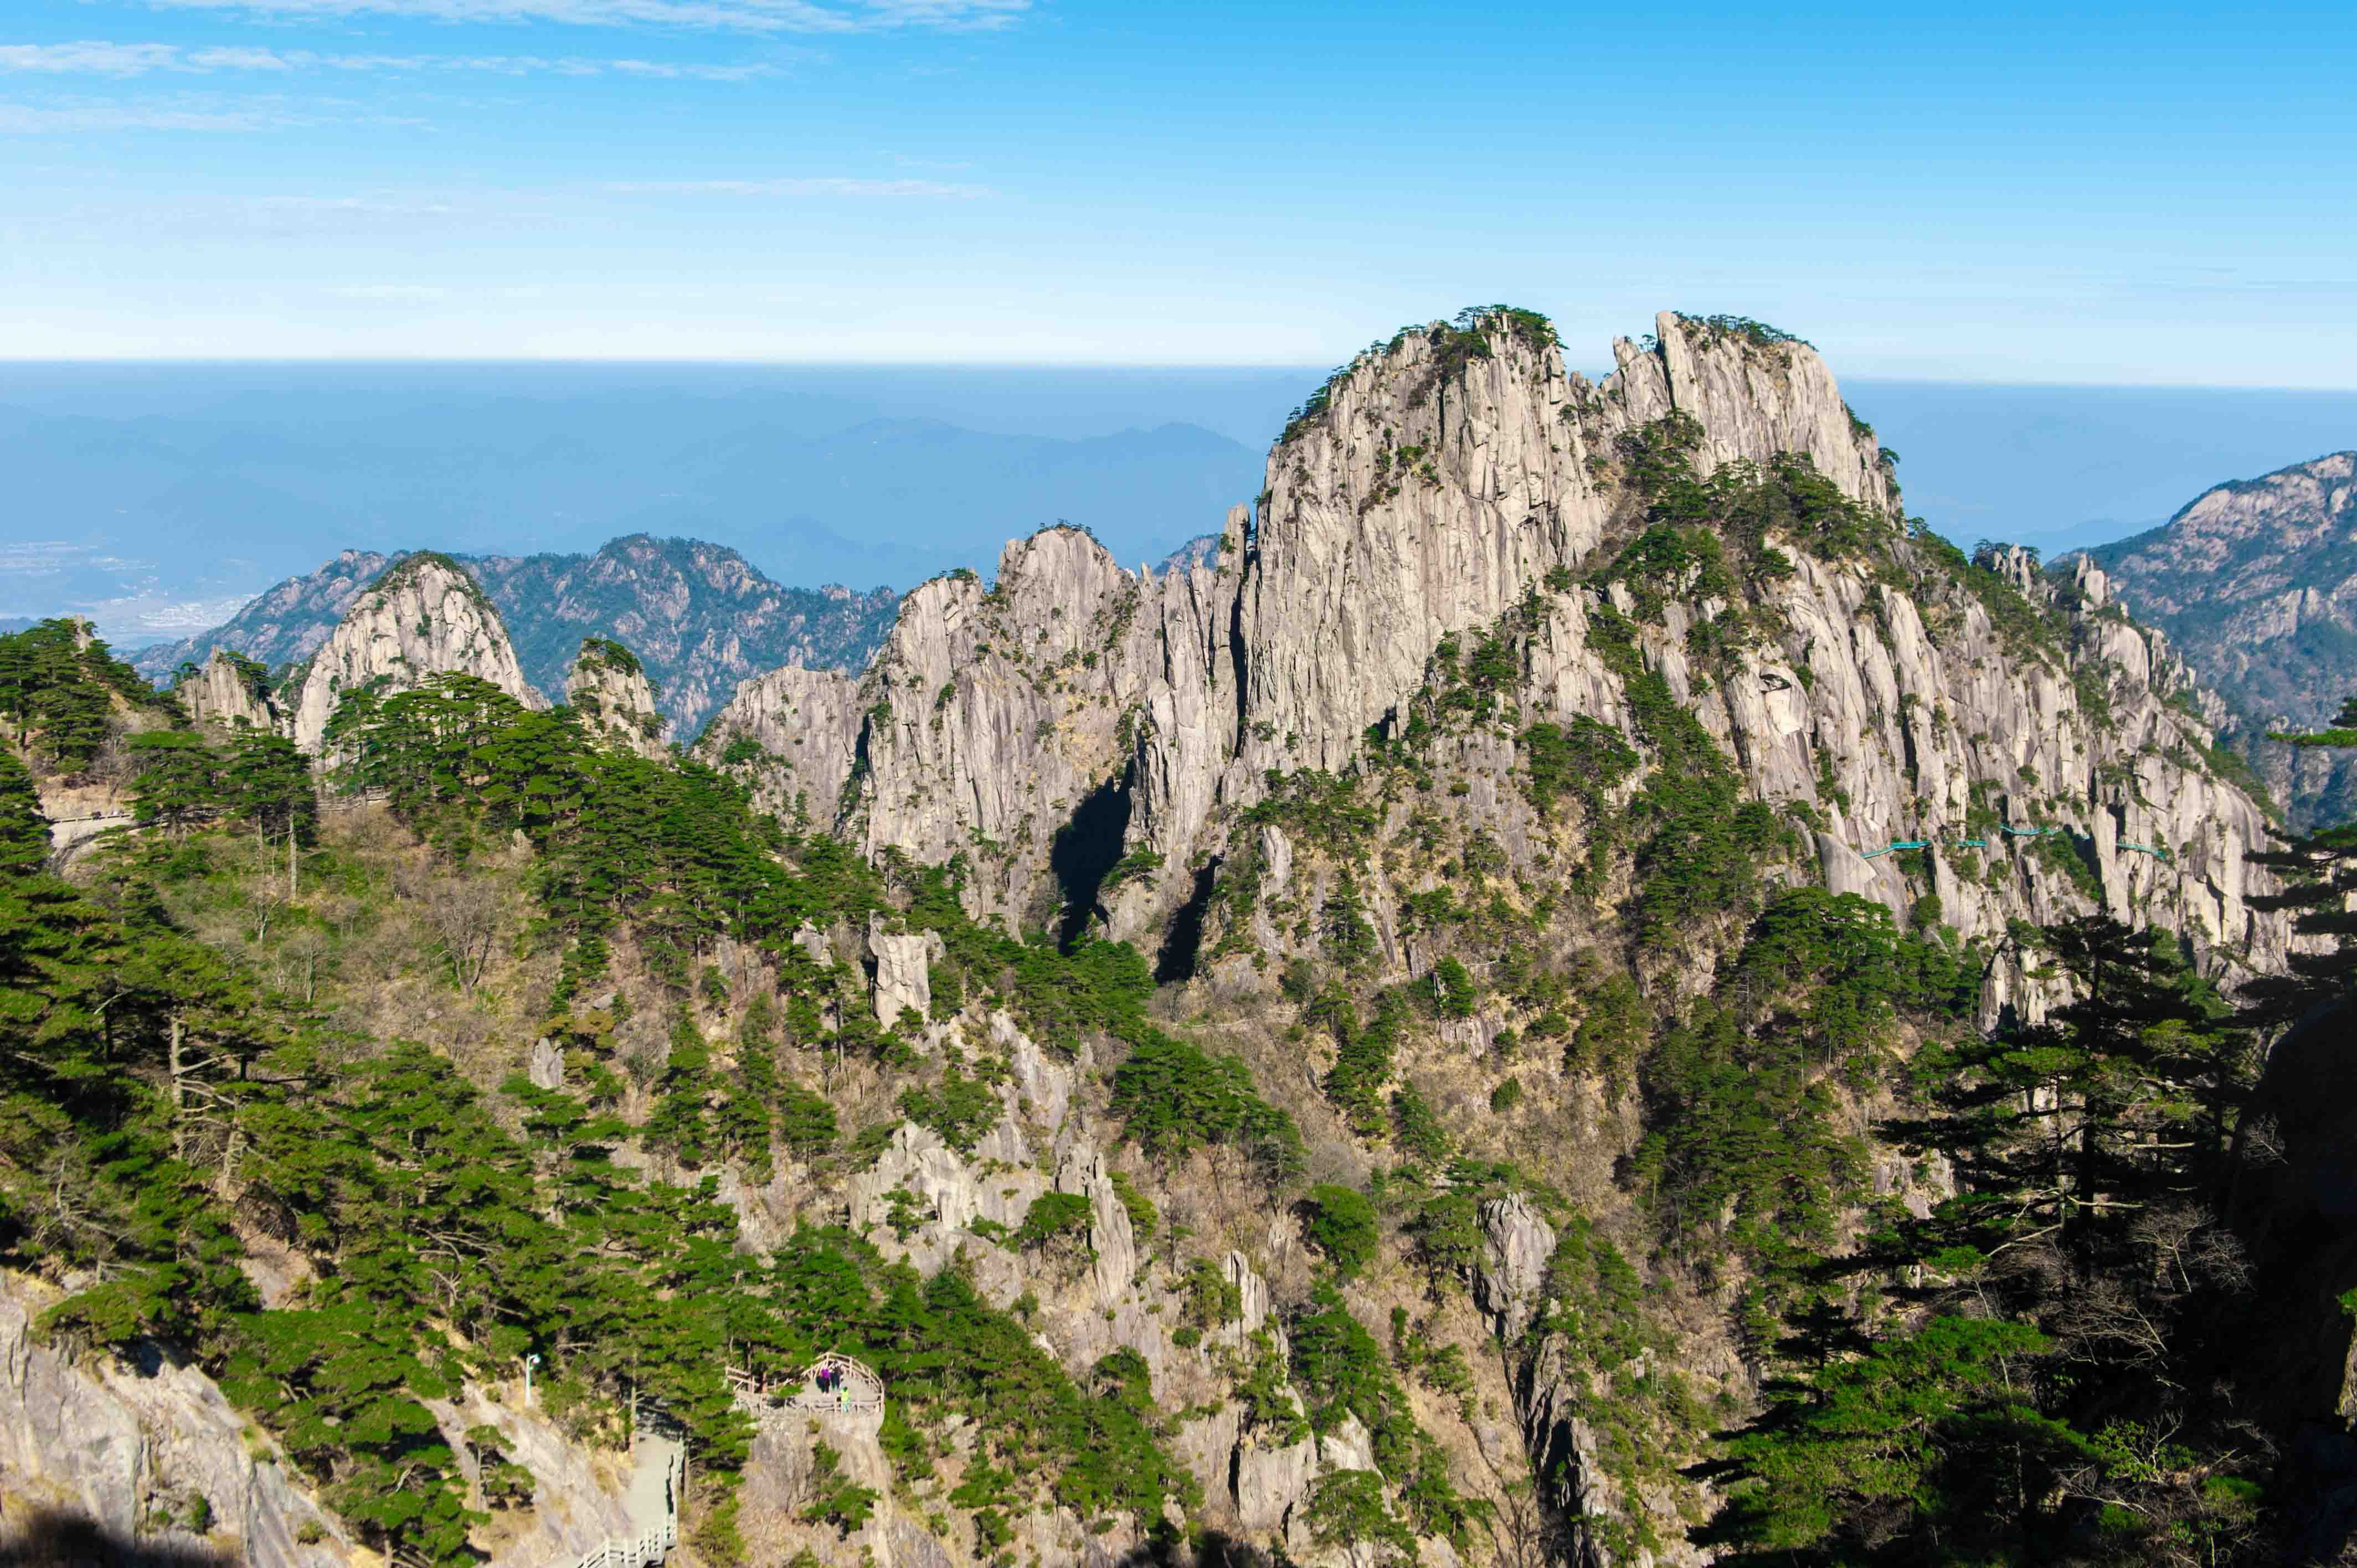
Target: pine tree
<point>267,782</point>
<point>2320,873</point>
<point>1927,1437</point>
<point>2115,1102</point>
<point>178,784</point>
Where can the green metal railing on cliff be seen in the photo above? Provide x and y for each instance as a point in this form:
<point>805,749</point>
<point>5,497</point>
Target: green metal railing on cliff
<point>1895,846</point>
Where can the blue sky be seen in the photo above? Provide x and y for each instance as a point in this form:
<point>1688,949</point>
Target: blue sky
<point>2156,195</point>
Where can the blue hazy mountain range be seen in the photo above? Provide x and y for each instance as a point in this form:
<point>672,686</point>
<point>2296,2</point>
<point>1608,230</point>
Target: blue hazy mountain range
<point>2069,467</point>
<point>159,497</point>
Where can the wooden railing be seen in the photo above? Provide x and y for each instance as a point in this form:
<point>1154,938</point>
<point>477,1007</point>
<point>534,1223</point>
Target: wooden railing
<point>757,1398</point>
<point>766,1401</point>
<point>649,1548</point>
<point>655,1543</point>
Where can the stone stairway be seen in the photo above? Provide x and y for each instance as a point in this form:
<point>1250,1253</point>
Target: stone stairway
<point>652,1502</point>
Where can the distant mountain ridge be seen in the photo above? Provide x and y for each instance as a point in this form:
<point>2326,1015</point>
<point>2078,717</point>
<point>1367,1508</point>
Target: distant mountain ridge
<point>699,616</point>
<point>281,626</point>
<point>2256,580</point>
<point>141,517</point>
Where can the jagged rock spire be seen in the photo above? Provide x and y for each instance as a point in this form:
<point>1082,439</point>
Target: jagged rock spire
<point>1088,738</point>
<point>230,692</point>
<point>607,687</point>
<point>422,618</point>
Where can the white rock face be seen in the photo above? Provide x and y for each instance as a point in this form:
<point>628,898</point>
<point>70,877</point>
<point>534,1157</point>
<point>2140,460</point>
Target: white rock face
<point>546,1065</point>
<point>1251,1294</point>
<point>608,688</point>
<point>422,618</point>
<point>1754,397</point>
<point>987,721</point>
<point>577,1504</point>
<point>115,1443</point>
<point>806,726</point>
<point>1043,1088</point>
<point>221,696</point>
<point>1516,1248</point>
<point>1349,1446</point>
<point>903,977</point>
<point>1428,498</point>
<point>1270,1480</point>
<point>918,1162</point>
<point>814,945</point>
<point>1110,1236</point>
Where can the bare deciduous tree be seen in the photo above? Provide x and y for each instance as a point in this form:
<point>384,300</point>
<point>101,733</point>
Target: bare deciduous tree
<point>301,957</point>
<point>465,914</point>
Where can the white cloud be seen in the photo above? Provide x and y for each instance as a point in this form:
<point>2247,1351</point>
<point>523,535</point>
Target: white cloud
<point>368,206</point>
<point>186,615</point>
<point>808,185</point>
<point>690,72</point>
<point>43,557</point>
<point>95,58</point>
<point>27,118</point>
<point>228,59</point>
<point>739,16</point>
<point>89,58</point>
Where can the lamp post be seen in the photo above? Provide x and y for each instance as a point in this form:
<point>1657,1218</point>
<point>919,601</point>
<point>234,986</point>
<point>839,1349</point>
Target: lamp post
<point>529,1363</point>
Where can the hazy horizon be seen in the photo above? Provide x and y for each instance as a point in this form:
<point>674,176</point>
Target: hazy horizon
<point>160,496</point>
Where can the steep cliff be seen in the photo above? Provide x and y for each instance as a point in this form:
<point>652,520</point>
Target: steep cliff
<point>608,688</point>
<point>230,692</point>
<point>795,734</point>
<point>145,1449</point>
<point>2256,580</point>
<point>1019,704</point>
<point>423,617</point>
<point>1482,794</point>
<point>1090,739</point>
<point>148,1450</point>
<point>1508,706</point>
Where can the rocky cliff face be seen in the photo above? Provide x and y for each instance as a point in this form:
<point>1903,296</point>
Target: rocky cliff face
<point>1312,746</point>
<point>1088,738</point>
<point>1019,702</point>
<point>1305,750</point>
<point>150,1450</point>
<point>230,693</point>
<point>2256,580</point>
<point>1105,1293</point>
<point>608,688</point>
<point>425,617</point>
<point>795,734</point>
